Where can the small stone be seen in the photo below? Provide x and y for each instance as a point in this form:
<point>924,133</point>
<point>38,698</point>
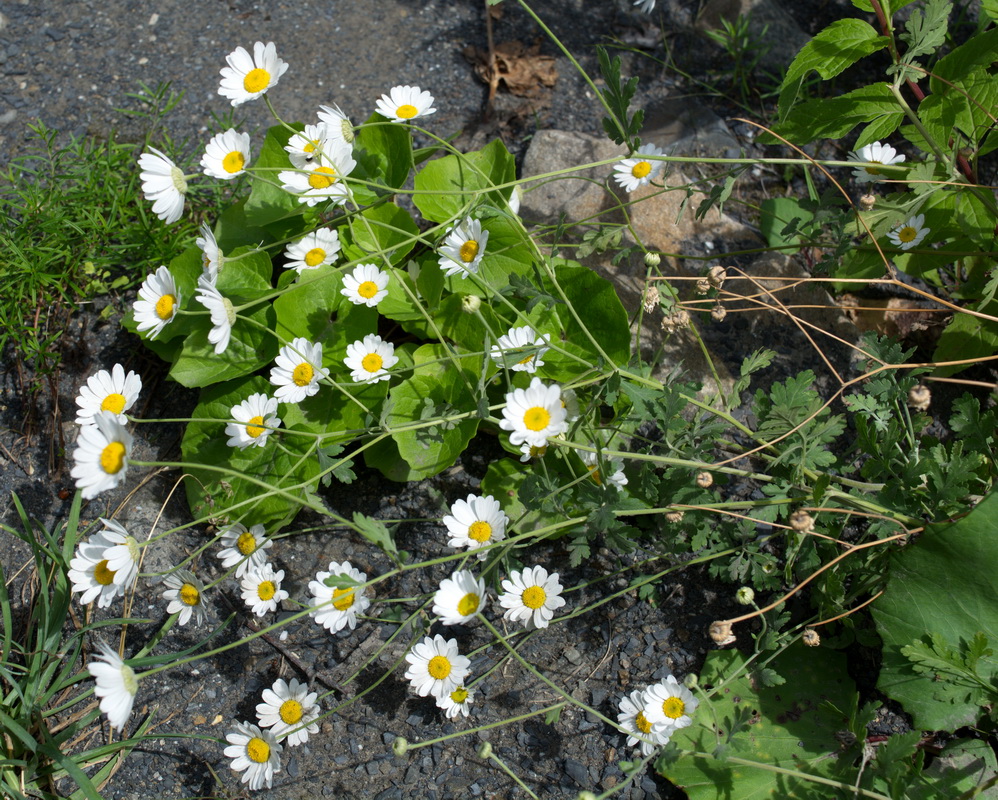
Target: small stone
<point>573,656</point>
<point>576,771</point>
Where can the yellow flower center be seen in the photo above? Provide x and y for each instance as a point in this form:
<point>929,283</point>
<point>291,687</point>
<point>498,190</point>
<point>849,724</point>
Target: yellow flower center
<point>113,402</point>
<point>537,418</point>
<point>189,594</point>
<point>367,289</point>
<point>266,590</point>
<point>538,452</point>
<point>303,374</point>
<point>459,695</point>
<point>526,359</point>
<point>673,708</point>
<point>594,472</point>
<point>112,458</point>
<point>234,162</point>
<point>468,604</point>
<point>290,712</point>
<point>372,362</point>
<point>439,667</point>
<point>164,306</point>
<point>641,723</point>
<point>479,531</point>
<point>534,597</point>
<point>255,427</point>
<point>641,169</point>
<point>907,234</point>
<point>103,575</point>
<point>322,178</point>
<point>315,256</point>
<point>310,146</point>
<point>256,80</point>
<point>246,543</point>
<point>468,251</point>
<point>406,111</point>
<point>342,599</point>
<point>874,170</point>
<point>129,680</point>
<point>256,748</point>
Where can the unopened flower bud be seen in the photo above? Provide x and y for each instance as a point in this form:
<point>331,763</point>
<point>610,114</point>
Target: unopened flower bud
<point>718,313</point>
<point>720,632</point>
<point>811,638</point>
<point>652,297</point>
<point>652,259</point>
<point>485,751</point>
<point>802,522</point>
<point>703,286</point>
<point>867,201</point>
<point>705,480</point>
<point>745,596</point>
<point>716,276</point>
<point>400,745</point>
<point>673,516</point>
<point>691,681</point>
<point>470,303</point>
<point>585,796</point>
<point>919,397</point>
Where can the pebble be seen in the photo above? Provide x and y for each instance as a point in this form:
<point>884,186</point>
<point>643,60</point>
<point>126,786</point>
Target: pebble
<point>572,655</point>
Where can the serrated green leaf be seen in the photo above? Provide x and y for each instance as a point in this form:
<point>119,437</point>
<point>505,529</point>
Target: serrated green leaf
<point>375,532</point>
<point>834,117</point>
<point>926,29</point>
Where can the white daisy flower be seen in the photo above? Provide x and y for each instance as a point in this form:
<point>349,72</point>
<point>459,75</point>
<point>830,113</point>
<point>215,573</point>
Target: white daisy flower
<point>113,391</point>
<point>248,78</point>
<point>100,460</point>
<point>314,250</point>
<point>91,573</point>
<point>645,6</point>
<point>615,466</point>
<point>405,103</point>
<point>122,553</point>
<point>305,148</point>
<point>261,589</point>
<point>211,254</point>
<point>669,703</point>
<point>338,123</point>
<point>297,371</point>
<point>436,667</point>
<point>289,707</point>
<point>365,286</point>
<point>875,153</point>
<point>255,753</point>
<point>370,359</point>
<point>322,179</point>
<point>534,414</point>
<point>243,549</point>
<point>463,248</point>
<point>531,596</point>
<point>633,720</point>
<point>530,452</point>
<point>116,686</point>
<point>457,703</point>
<point>223,315</point>
<point>335,608</point>
<point>226,155</point>
<point>521,349</point>
<point>910,234</point>
<point>459,598</point>
<point>476,522</point>
<point>637,171</point>
<point>185,596</point>
<point>163,184</point>
<point>255,419</point>
<point>158,302</point>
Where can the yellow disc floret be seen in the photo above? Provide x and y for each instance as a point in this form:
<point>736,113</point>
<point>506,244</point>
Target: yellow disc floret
<point>468,604</point>
<point>673,707</point>
<point>256,80</point>
<point>534,597</point>
<point>367,289</point>
<point>303,374</point>
<point>291,712</point>
<point>479,531</point>
<point>256,748</point>
<point>246,543</point>
<point>164,306</point>
<point>234,162</point>
<point>343,599</point>
<point>372,362</point>
<point>103,575</point>
<point>255,426</point>
<point>439,667</point>
<point>315,256</point>
<point>641,169</point>
<point>112,458</point>
<point>406,111</point>
<point>189,594</point>
<point>469,251</point>
<point>266,590</point>
<point>536,418</point>
<point>114,402</point>
<point>322,178</point>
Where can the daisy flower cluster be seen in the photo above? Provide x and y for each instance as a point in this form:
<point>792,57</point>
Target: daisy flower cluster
<point>651,715</point>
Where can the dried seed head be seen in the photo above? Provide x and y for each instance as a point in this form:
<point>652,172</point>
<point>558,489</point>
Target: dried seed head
<point>867,201</point>
<point>673,516</point>
<point>676,320</point>
<point>652,259</point>
<point>703,286</point>
<point>716,276</point>
<point>745,596</point>
<point>652,297</point>
<point>720,632</point>
<point>919,397</point>
<point>802,522</point>
<point>718,313</point>
<point>811,638</point>
<point>705,480</point>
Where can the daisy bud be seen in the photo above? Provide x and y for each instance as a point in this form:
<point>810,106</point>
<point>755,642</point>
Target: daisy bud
<point>652,297</point>
<point>470,303</point>
<point>867,201</point>
<point>745,596</point>
<point>919,397</point>
<point>811,637</point>
<point>705,480</point>
<point>718,313</point>
<point>484,751</point>
<point>652,259</point>
<point>691,681</point>
<point>400,745</point>
<point>716,276</point>
<point>703,286</point>
<point>721,633</point>
<point>673,516</point>
<point>802,522</point>
<point>585,796</point>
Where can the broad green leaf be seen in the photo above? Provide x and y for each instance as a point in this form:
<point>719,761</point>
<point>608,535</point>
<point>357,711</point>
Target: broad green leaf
<point>503,480</point>
<point>963,766</point>
<point>834,117</point>
<point>964,338</point>
<point>777,213</point>
<point>268,202</point>
<point>389,146</point>
<point>990,7</point>
<point>944,584</point>
<point>451,186</point>
<point>595,301</point>
<point>384,232</point>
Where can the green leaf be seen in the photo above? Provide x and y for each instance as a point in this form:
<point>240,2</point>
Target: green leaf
<point>781,220</point>
<point>388,148</point>
<point>965,337</point>
<point>268,202</point>
<point>926,29</point>
<point>596,302</point>
<point>620,127</point>
<point>451,186</point>
<point>941,585</point>
<point>375,531</point>
<point>964,766</point>
<point>834,117</point>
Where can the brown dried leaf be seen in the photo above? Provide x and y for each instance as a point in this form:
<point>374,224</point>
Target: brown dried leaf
<point>523,70</point>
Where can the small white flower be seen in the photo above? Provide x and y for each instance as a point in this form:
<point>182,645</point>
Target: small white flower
<point>534,414</point>
<point>457,703</point>
<point>615,466</point>
<point>459,598</point>
<point>530,452</point>
<point>261,589</point>
<point>306,149</point>
<point>646,7</point>
<point>100,460</point>
<point>521,349</point>
<point>243,549</point>
<point>638,171</point>
<point>314,250</point>
<point>289,707</point>
<point>158,302</point>
<point>247,78</point>
<point>876,153</point>
<point>255,419</point>
<point>116,686</point>
<point>436,667</point>
<point>633,720</point>
<point>405,103</point>
<point>163,184</point>
<point>463,248</point>
<point>226,155</point>
<point>185,596</point>
<point>254,752</point>
<point>337,122</point>
<point>211,254</point>
<point>531,596</point>
<point>910,234</point>
<point>322,179</point>
<point>297,371</point>
<point>223,315</point>
<point>122,553</point>
<point>669,703</point>
<point>336,608</point>
<point>113,391</point>
<point>476,522</point>
<point>92,573</point>
<point>370,359</point>
<point>365,286</point>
